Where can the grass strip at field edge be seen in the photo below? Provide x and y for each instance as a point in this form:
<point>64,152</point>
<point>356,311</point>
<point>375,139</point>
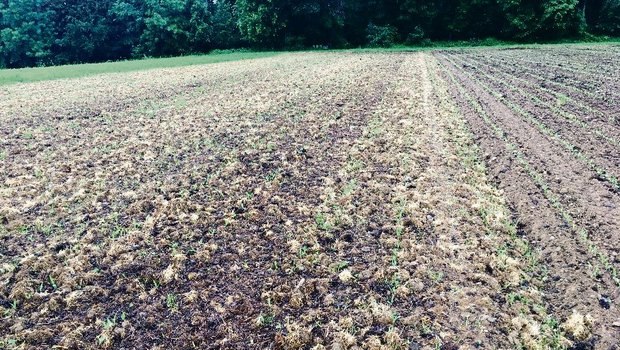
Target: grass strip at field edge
<point>26,75</point>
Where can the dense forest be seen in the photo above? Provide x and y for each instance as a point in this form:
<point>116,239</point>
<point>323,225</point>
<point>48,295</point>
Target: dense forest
<point>50,32</point>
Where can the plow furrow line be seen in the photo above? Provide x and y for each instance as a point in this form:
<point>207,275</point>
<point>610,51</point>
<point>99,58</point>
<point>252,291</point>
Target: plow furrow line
<point>585,73</point>
<point>518,247</point>
<point>557,94</point>
<point>582,235</point>
<point>572,118</point>
<point>601,172</point>
<point>579,86</point>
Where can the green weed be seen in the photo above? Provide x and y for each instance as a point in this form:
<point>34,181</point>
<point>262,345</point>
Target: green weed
<point>266,320</point>
<point>171,301</point>
<point>321,222</point>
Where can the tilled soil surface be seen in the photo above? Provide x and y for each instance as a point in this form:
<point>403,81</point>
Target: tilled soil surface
<point>558,166</point>
<point>313,201</point>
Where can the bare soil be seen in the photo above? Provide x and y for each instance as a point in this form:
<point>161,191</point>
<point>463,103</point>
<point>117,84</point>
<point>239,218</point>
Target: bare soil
<point>563,207</point>
<point>310,201</point>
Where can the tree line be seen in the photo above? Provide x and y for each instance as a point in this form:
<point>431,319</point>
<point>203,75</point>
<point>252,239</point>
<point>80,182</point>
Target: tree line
<point>51,32</point>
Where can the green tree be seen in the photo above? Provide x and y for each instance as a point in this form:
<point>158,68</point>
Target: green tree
<point>27,33</point>
<point>85,32</point>
<point>381,36</point>
<point>521,18</point>
<point>560,18</point>
<point>226,33</point>
<point>314,22</point>
<point>127,22</point>
<point>262,22</point>
<point>44,32</point>
<point>173,27</point>
<point>603,16</point>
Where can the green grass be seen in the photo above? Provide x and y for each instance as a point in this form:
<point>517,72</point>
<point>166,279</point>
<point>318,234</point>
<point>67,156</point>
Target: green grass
<point>24,75</point>
<point>486,43</point>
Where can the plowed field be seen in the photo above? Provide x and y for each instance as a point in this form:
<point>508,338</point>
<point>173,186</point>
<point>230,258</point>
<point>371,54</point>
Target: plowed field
<point>462,199</point>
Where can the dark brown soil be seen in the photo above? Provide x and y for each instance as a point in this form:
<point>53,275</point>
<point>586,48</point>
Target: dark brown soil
<point>596,94</point>
<point>311,201</point>
<point>572,281</point>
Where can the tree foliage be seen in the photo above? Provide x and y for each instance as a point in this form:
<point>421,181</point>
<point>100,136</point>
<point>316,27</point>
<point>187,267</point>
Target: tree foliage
<point>45,32</point>
<point>261,21</point>
<point>25,37</point>
<point>173,27</point>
